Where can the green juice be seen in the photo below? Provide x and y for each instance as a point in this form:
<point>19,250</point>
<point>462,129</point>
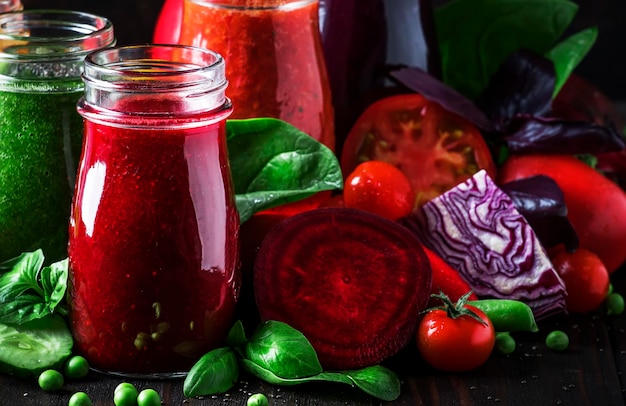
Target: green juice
<point>40,141</point>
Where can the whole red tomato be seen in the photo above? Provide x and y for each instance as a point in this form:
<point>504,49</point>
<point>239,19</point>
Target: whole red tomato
<point>380,188</point>
<point>436,149</point>
<point>167,28</point>
<point>596,206</point>
<point>586,279</point>
<point>455,344</point>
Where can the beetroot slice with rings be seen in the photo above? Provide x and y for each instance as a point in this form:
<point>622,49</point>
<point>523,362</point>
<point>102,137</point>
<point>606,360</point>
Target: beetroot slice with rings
<point>352,282</point>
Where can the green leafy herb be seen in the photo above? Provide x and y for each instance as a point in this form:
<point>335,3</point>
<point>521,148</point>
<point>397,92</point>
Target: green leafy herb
<point>273,163</point>
<point>567,54</point>
<point>476,36</point>
<point>28,291</point>
<point>280,355</point>
<point>216,372</point>
<point>282,349</point>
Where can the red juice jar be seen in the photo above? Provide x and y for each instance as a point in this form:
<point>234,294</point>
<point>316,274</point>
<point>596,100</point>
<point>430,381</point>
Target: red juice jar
<point>153,249</point>
<point>275,62</point>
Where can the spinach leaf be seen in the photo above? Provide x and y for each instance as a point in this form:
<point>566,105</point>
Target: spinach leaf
<point>285,351</point>
<point>28,292</point>
<point>376,381</point>
<point>476,36</point>
<point>215,372</point>
<point>273,163</point>
<point>567,54</point>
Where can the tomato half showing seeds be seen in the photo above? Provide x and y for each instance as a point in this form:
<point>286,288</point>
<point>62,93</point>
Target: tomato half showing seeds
<point>455,344</point>
<point>436,149</point>
<point>380,188</point>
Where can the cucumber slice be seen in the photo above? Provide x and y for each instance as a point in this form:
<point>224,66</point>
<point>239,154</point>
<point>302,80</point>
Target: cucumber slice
<point>28,349</point>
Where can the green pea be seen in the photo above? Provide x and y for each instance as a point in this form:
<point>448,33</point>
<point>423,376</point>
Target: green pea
<point>126,386</point>
<point>79,399</point>
<point>149,397</point>
<point>125,397</point>
<point>505,344</point>
<point>76,367</point>
<point>557,340</point>
<point>610,289</point>
<point>507,315</point>
<point>50,380</point>
<point>258,399</point>
<point>614,304</point>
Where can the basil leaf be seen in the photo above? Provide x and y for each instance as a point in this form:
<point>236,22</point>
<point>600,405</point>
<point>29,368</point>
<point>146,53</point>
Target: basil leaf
<point>236,338</point>
<point>283,350</point>
<point>215,372</point>
<point>273,163</point>
<point>28,292</point>
<point>476,36</point>
<point>567,54</point>
<point>377,381</point>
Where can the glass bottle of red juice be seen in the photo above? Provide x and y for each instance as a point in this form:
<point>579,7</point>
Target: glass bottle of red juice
<point>153,247</point>
<point>41,61</point>
<point>274,58</point>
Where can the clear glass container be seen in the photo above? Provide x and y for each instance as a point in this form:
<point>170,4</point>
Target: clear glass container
<point>153,249</point>
<point>41,62</point>
<point>274,58</point>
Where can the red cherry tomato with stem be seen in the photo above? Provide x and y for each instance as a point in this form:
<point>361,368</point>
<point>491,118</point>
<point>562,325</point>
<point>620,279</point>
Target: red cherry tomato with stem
<point>454,341</point>
<point>436,149</point>
<point>380,188</point>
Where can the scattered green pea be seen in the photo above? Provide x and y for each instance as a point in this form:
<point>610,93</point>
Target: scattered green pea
<point>125,385</point>
<point>557,340</point>
<point>614,304</point>
<point>505,344</point>
<point>125,397</point>
<point>50,380</point>
<point>149,397</point>
<point>610,289</point>
<point>79,399</point>
<point>258,399</point>
<point>76,367</point>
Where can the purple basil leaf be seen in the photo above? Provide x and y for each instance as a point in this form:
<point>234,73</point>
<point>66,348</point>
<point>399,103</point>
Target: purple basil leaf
<point>523,85</point>
<point>435,90</point>
<point>529,134</point>
<point>540,200</point>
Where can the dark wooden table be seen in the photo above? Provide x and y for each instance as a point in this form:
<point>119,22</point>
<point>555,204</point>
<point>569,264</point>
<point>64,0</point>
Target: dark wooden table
<point>590,372</point>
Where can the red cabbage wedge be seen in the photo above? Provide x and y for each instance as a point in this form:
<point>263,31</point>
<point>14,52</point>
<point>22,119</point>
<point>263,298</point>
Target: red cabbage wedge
<point>476,228</point>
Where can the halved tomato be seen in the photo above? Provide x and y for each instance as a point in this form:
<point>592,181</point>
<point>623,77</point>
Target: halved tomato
<point>436,149</point>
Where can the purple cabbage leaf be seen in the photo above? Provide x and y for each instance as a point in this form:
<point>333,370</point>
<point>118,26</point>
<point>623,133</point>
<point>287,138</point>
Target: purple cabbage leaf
<point>476,228</point>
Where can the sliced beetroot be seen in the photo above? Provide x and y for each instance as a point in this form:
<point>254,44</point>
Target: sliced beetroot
<point>352,282</point>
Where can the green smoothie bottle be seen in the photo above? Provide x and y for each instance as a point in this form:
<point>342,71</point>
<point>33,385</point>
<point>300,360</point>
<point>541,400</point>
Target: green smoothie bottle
<point>41,62</point>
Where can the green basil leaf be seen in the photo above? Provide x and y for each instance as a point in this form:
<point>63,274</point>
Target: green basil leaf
<point>567,54</point>
<point>283,350</point>
<point>237,339</point>
<point>54,283</point>
<point>23,308</point>
<point>273,163</point>
<point>22,277</point>
<point>476,36</point>
<point>215,372</point>
<point>377,381</point>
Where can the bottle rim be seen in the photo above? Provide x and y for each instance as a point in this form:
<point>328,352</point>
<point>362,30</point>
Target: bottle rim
<point>255,5</point>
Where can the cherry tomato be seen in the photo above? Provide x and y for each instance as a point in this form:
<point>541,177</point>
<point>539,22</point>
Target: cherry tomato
<point>436,149</point>
<point>455,344</point>
<point>596,206</point>
<point>380,188</point>
<point>586,279</point>
<point>168,24</point>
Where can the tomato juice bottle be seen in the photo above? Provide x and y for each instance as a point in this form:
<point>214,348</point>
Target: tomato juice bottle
<point>41,61</point>
<point>153,249</point>
<point>274,58</point>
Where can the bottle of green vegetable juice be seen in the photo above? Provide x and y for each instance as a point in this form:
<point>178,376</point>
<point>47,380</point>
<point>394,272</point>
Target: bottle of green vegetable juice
<point>41,62</point>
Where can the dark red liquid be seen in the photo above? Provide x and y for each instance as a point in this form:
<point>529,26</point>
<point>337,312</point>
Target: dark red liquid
<point>153,246</point>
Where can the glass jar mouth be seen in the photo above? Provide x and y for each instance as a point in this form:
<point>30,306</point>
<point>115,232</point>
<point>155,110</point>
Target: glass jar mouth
<point>254,5</point>
<point>35,35</point>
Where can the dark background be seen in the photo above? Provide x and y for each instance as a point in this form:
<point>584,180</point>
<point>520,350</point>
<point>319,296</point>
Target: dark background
<point>605,65</point>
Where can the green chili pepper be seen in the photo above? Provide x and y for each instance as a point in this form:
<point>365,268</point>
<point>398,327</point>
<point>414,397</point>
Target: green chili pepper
<point>507,314</point>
